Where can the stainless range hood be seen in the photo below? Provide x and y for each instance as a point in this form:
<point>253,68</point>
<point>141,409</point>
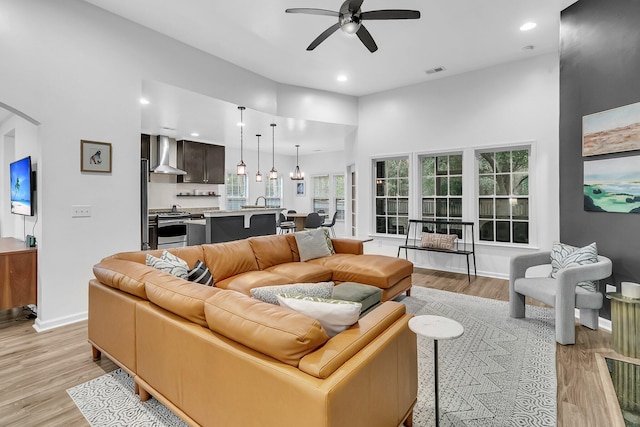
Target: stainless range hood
<point>162,154</point>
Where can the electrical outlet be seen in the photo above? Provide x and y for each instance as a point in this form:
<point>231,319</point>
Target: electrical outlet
<point>611,288</point>
<point>78,211</point>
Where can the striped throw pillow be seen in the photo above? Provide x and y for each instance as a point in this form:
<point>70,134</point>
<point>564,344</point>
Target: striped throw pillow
<point>200,274</point>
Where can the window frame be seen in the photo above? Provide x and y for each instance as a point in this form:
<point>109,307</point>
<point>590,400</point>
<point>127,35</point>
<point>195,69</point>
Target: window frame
<point>230,196</point>
<point>531,218</point>
<point>402,218</point>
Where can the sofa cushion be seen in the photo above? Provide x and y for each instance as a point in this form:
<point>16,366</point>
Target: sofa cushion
<point>270,329</point>
<point>169,263</point>
<point>312,244</point>
<point>271,250</point>
<point>302,272</point>
<point>244,282</point>
<point>200,274</point>
<point>128,276</point>
<point>334,315</point>
<point>376,270</point>
<point>268,293</point>
<point>567,256</point>
<point>191,254</point>
<point>368,296</point>
<point>229,259</point>
<point>179,296</point>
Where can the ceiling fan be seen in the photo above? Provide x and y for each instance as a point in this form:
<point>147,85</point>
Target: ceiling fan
<point>350,19</point>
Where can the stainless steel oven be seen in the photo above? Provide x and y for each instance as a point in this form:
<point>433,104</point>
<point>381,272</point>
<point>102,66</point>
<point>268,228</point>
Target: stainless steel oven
<point>172,229</point>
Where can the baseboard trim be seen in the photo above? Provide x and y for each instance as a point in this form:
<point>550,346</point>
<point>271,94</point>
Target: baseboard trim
<point>41,326</point>
<point>602,322</point>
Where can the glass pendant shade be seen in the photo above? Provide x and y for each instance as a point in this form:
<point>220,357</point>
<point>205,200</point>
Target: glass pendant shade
<point>242,167</point>
<point>273,173</point>
<point>296,175</point>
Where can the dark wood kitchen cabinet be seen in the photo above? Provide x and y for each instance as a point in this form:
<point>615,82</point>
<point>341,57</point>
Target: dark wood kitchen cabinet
<point>204,163</point>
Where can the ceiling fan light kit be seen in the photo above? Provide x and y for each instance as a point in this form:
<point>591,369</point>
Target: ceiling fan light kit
<point>350,19</point>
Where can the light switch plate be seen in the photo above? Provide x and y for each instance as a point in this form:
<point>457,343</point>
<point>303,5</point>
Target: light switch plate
<point>79,211</point>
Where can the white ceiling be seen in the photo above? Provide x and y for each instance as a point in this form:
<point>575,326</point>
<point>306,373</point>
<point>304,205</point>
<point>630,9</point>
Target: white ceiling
<point>177,113</point>
<point>460,35</point>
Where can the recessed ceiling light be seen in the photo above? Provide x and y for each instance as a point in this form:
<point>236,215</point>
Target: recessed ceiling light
<point>528,26</point>
<point>195,134</point>
<point>144,101</point>
<point>342,78</point>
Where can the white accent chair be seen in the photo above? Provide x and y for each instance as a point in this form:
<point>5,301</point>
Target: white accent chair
<point>561,292</point>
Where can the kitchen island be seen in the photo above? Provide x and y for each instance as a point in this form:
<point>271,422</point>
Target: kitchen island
<point>227,225</point>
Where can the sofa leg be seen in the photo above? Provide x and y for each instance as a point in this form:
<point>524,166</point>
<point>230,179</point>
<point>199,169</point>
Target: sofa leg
<point>144,394</point>
<point>589,318</point>
<point>408,292</point>
<point>95,353</point>
<point>408,422</point>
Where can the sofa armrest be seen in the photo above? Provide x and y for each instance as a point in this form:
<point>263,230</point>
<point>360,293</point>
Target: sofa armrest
<point>348,246</point>
<point>127,276</point>
<point>335,352</point>
<point>570,277</point>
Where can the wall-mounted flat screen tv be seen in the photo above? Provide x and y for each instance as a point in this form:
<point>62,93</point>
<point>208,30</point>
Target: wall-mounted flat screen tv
<point>21,180</point>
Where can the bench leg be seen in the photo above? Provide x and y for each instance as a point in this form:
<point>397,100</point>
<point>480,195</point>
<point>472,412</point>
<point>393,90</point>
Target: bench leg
<point>468,271</point>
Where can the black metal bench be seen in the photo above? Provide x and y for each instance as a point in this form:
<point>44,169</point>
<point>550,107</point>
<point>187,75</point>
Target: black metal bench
<point>460,228</point>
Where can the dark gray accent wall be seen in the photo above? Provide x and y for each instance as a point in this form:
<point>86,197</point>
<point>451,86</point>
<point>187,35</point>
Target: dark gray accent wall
<point>599,70</point>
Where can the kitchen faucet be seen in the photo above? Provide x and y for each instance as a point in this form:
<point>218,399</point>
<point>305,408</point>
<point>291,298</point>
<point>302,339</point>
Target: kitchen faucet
<point>261,197</point>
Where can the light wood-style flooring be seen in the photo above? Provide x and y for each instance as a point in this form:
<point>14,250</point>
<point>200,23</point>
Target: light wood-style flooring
<point>36,369</point>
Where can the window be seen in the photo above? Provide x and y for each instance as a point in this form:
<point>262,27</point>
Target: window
<point>273,192</point>
<point>236,188</point>
<point>392,195</point>
<point>320,199</point>
<point>503,196</point>
<point>338,191</point>
<point>442,191</point>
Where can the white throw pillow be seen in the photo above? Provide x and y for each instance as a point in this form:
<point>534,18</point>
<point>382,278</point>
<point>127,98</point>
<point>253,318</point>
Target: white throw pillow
<point>334,315</point>
<point>312,244</point>
<point>567,256</point>
<point>269,293</point>
<point>169,263</point>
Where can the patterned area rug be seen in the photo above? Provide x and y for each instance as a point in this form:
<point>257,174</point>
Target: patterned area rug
<point>500,372</point>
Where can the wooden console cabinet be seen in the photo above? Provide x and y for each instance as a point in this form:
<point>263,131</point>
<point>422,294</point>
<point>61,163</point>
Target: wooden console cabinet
<point>18,273</point>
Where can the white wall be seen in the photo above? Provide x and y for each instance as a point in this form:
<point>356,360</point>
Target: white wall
<point>507,104</point>
<point>78,70</point>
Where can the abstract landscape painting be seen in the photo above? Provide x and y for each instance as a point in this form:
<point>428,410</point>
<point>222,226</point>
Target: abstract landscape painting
<point>612,185</point>
<point>611,131</point>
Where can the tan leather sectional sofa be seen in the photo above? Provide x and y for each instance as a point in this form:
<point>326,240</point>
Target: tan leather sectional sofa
<point>217,357</point>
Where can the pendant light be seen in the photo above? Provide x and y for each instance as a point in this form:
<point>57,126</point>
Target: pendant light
<point>258,174</point>
<point>296,175</point>
<point>242,168</point>
<point>273,173</point>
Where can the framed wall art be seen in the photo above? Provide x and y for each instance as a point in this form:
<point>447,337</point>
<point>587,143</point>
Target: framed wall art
<point>95,156</point>
<point>611,131</point>
<point>300,188</point>
<point>612,185</point>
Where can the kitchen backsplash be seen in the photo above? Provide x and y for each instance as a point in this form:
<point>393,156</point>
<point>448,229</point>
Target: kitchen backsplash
<point>164,192</point>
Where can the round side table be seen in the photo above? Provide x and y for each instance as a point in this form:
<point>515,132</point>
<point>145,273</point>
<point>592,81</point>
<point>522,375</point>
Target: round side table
<point>436,328</point>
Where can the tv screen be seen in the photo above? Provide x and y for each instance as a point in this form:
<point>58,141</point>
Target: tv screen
<point>21,187</point>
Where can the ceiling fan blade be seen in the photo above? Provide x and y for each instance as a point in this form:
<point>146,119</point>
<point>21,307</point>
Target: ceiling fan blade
<point>354,5</point>
<point>366,39</point>
<point>326,33</point>
<point>310,11</point>
<point>390,14</point>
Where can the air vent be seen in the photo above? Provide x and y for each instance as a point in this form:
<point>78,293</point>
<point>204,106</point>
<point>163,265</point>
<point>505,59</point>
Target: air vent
<point>435,70</point>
